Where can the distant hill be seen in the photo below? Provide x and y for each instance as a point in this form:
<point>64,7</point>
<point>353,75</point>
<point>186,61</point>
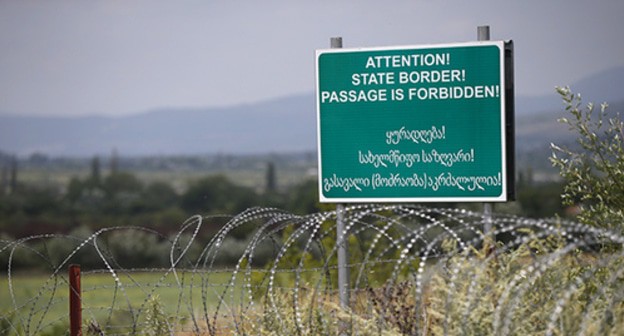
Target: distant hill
<point>535,132</point>
<point>283,125</point>
<point>605,86</point>
<point>286,124</point>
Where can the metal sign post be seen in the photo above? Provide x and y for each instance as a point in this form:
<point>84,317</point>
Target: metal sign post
<point>341,236</point>
<point>483,34</point>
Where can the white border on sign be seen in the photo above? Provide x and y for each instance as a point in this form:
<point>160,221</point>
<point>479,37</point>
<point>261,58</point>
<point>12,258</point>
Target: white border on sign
<point>501,198</point>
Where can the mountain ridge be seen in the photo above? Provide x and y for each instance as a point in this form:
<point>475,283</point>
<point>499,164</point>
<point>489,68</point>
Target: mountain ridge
<point>286,124</point>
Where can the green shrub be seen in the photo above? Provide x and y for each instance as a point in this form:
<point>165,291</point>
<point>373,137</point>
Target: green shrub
<point>543,285</point>
<point>594,170</point>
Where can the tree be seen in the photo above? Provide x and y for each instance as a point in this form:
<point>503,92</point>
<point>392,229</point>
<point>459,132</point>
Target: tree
<point>118,183</point>
<point>271,182</point>
<point>594,170</point>
<point>541,200</point>
<point>216,194</point>
<point>114,162</point>
<point>96,176</point>
<point>13,177</point>
<point>75,190</point>
<point>4,181</point>
<point>158,196</point>
<point>303,198</point>
<point>122,192</point>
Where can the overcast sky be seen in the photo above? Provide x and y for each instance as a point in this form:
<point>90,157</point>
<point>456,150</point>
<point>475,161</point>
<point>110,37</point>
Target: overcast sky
<point>116,58</point>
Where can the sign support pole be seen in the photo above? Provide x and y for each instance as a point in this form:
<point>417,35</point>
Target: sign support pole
<point>341,234</point>
<point>483,34</point>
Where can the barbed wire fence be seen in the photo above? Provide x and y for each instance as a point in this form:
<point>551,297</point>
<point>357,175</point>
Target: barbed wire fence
<point>414,270</point>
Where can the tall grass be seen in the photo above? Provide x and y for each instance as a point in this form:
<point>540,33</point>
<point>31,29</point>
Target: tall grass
<point>540,287</point>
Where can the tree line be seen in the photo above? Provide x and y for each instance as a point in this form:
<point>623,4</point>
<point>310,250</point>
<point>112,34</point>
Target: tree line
<point>122,198</point>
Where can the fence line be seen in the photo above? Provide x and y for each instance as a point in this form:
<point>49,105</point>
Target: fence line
<point>415,270</point>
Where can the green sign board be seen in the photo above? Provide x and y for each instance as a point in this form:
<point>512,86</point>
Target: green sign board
<point>412,124</point>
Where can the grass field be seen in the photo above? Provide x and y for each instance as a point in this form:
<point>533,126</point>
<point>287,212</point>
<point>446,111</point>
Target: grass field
<point>39,303</point>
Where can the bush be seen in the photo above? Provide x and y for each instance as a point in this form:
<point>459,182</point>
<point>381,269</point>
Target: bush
<point>542,286</point>
<point>594,171</point>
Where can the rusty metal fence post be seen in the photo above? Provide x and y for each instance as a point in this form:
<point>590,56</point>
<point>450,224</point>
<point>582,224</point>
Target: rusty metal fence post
<point>75,305</point>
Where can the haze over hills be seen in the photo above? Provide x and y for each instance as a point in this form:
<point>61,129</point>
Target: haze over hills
<point>286,124</point>
<point>605,86</point>
<point>283,125</point>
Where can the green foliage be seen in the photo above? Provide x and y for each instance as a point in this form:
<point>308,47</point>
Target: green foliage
<point>96,176</point>
<point>217,194</point>
<point>32,201</point>
<point>7,325</point>
<point>318,316</point>
<point>121,182</point>
<point>539,201</point>
<point>303,198</point>
<point>397,306</point>
<point>520,291</point>
<point>158,195</point>
<point>594,171</point>
<point>57,329</point>
<point>136,248</point>
<point>122,193</point>
<point>271,180</point>
<point>155,318</point>
<point>529,289</point>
